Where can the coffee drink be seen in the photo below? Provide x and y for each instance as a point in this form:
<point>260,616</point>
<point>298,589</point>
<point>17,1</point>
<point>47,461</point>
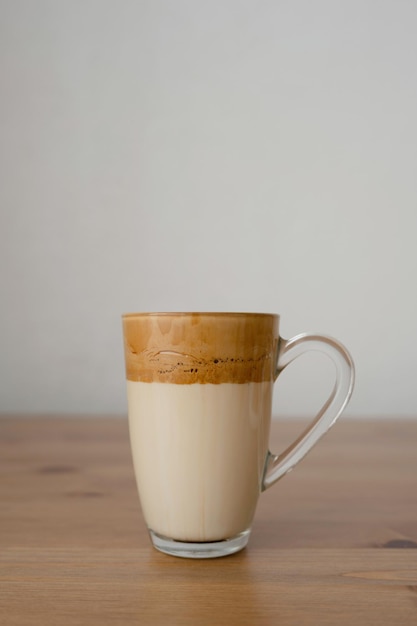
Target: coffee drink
<point>199,389</point>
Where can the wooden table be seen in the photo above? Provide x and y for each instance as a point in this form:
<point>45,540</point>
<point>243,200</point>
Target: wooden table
<point>333,543</point>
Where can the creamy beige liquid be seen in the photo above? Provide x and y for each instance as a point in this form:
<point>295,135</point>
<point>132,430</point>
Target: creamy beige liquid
<point>199,452</point>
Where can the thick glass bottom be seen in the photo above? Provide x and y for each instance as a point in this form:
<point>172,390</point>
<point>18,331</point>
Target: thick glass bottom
<point>200,550</point>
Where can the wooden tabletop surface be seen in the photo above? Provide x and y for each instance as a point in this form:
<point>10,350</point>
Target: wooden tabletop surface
<point>334,542</point>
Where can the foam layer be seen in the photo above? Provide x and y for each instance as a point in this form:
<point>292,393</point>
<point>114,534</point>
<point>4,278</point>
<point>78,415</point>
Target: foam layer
<point>200,347</point>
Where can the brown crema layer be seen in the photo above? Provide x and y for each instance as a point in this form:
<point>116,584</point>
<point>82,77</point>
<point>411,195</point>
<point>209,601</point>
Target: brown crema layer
<point>186,348</point>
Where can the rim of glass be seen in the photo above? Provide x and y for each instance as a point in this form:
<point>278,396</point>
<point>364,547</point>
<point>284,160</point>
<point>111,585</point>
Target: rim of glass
<point>200,313</point>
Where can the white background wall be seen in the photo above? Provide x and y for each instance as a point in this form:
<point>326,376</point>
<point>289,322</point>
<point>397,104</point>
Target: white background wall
<point>223,155</point>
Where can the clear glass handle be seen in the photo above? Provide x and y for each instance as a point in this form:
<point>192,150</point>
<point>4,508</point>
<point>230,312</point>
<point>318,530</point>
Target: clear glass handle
<point>288,350</point>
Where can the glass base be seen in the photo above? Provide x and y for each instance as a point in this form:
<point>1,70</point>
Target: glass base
<point>200,550</point>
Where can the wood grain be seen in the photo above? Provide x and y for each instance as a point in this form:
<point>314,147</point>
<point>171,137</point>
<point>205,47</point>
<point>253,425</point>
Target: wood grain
<point>335,542</point>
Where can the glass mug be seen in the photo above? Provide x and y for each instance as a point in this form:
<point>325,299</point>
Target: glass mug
<point>199,389</point>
